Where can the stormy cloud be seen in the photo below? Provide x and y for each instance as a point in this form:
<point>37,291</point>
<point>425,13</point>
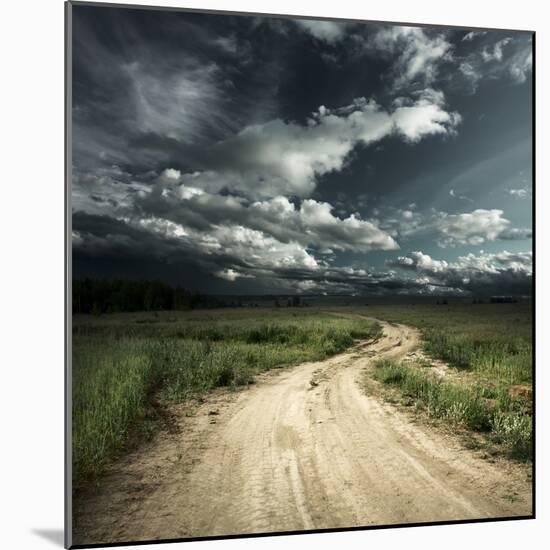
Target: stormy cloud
<point>243,155</point>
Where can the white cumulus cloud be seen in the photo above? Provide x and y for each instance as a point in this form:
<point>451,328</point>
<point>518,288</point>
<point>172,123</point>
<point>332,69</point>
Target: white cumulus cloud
<point>473,228</point>
<point>285,158</point>
<point>328,31</point>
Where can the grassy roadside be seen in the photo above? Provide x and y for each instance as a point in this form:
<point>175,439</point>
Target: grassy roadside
<point>122,363</point>
<point>486,388</point>
<point>473,406</point>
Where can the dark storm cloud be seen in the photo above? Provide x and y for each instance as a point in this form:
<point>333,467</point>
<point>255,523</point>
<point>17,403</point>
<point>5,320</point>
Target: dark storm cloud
<point>103,238</point>
<point>250,154</point>
<point>238,253</point>
<point>227,245</point>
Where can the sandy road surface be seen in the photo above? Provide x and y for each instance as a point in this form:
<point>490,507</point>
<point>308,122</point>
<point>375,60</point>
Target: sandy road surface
<point>304,448</point>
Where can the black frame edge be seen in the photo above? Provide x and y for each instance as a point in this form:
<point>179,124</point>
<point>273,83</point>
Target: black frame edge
<point>534,281</point>
<point>68,501</point>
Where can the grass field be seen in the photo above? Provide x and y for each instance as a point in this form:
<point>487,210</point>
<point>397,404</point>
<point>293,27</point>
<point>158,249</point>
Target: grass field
<point>493,340</point>
<point>124,362</point>
<point>488,387</point>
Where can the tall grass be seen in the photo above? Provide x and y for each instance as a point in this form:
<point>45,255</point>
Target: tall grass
<point>474,406</point>
<point>120,362</point>
<point>489,350</point>
<point>507,360</point>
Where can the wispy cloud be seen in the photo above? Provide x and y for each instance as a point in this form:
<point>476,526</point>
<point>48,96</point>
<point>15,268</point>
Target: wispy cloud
<point>419,54</point>
<point>506,58</point>
<point>521,193</point>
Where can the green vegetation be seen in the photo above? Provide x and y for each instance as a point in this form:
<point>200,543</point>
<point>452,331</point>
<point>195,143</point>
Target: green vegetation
<point>127,366</point>
<point>494,341</point>
<point>489,350</point>
<point>471,405</point>
<point>124,362</point>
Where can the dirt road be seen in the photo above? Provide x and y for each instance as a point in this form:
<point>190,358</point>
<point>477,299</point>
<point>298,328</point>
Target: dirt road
<point>304,448</point>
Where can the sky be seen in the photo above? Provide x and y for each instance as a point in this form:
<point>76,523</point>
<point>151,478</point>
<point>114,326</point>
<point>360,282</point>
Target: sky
<point>260,155</point>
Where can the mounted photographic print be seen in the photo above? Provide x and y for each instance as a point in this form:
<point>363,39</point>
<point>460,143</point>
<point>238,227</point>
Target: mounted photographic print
<point>299,274</point>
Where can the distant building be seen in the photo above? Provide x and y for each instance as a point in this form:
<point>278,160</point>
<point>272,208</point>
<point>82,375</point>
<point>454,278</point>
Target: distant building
<point>503,300</point>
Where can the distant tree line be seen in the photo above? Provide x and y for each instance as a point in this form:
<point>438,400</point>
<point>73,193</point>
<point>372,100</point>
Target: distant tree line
<point>104,296</point>
<point>98,296</point>
<point>291,301</point>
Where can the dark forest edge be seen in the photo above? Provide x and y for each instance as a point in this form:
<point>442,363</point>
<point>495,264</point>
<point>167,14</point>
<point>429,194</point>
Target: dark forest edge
<point>103,296</point>
<point>98,296</point>
<point>113,296</point>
